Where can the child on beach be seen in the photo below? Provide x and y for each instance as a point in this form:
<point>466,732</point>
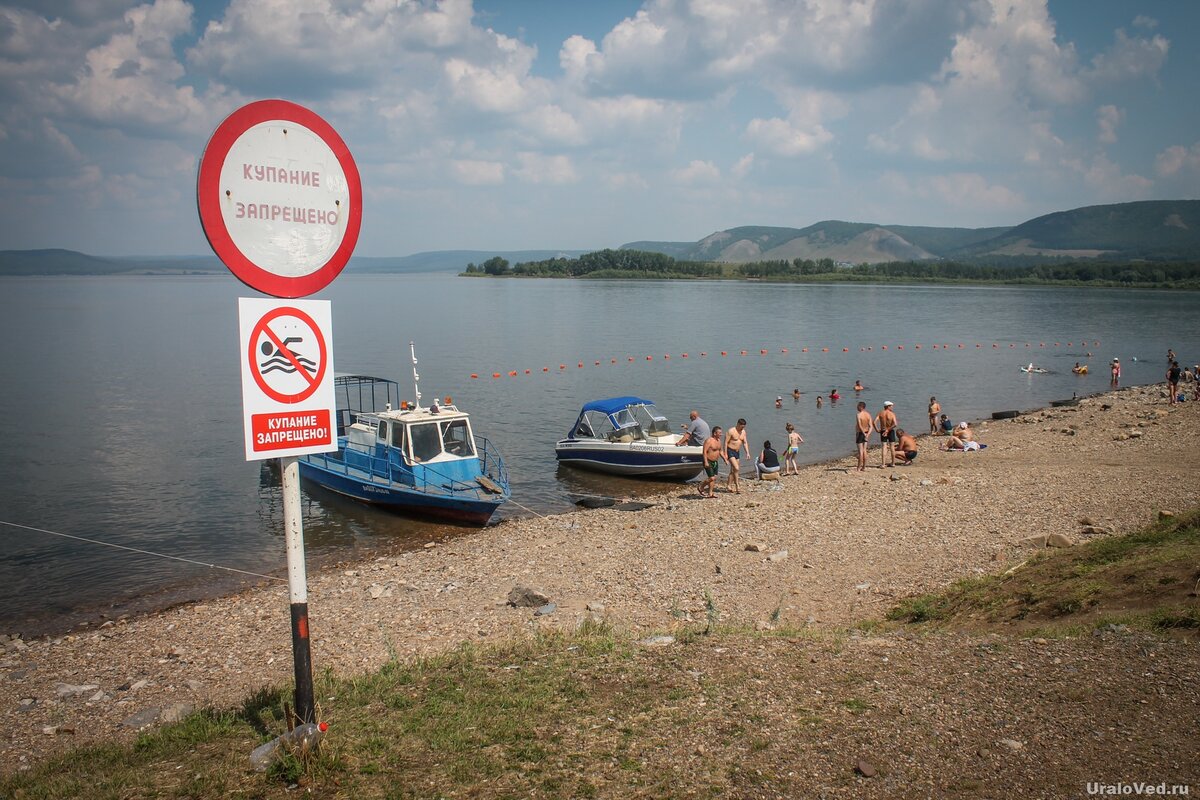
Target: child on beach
<point>789,458</point>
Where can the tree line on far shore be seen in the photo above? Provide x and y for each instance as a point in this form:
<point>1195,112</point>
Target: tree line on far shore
<point>646,265</point>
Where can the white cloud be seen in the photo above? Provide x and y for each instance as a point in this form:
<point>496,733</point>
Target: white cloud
<point>743,166</point>
<point>539,168</point>
<point>697,173</point>
<point>477,173</point>
<point>780,137</point>
<point>1178,159</point>
<point>1108,117</point>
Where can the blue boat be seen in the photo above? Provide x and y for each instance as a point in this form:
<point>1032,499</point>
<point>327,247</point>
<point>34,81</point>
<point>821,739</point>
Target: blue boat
<point>628,436</point>
<point>398,455</point>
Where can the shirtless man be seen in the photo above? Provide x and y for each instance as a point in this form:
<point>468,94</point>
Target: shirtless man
<point>935,408</point>
<point>906,447</point>
<point>735,443</point>
<point>713,454</point>
<point>862,429</point>
<point>885,423</point>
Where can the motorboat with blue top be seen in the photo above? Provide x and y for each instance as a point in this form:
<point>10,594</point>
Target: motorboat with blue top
<point>628,436</point>
<point>400,455</point>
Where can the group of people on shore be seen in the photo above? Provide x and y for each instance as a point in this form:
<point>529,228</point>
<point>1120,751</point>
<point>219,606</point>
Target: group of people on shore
<point>729,450</point>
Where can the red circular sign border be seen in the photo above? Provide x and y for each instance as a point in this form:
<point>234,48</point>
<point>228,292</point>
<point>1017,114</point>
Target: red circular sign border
<point>279,397</point>
<point>208,196</point>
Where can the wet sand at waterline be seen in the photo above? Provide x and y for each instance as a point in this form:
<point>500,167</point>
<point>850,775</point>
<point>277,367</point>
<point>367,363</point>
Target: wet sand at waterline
<point>833,547</point>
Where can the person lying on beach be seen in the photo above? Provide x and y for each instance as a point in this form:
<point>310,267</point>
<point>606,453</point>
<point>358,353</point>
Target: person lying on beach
<point>906,448</point>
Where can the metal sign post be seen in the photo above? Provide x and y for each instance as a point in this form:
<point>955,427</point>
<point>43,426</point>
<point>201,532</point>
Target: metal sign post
<point>297,588</point>
<point>280,201</point>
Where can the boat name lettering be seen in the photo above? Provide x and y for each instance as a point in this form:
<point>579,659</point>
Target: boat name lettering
<point>270,211</point>
<point>296,177</point>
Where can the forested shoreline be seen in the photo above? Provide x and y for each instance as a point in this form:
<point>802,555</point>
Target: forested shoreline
<point>637,264</point>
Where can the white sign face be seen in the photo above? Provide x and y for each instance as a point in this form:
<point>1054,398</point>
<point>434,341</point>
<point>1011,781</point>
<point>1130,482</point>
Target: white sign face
<point>287,195</point>
<point>280,198</point>
<point>288,402</point>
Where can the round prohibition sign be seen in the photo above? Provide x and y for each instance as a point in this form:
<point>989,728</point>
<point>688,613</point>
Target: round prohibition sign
<point>282,350</point>
<point>263,266</point>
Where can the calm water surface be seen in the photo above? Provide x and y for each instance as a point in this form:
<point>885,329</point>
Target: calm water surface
<point>122,398</point>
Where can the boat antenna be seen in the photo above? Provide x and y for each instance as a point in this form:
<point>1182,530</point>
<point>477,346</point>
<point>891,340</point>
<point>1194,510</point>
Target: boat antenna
<point>416,378</point>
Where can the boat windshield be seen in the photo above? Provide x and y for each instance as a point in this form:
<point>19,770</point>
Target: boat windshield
<point>456,438</point>
<point>650,419</point>
<point>426,441</point>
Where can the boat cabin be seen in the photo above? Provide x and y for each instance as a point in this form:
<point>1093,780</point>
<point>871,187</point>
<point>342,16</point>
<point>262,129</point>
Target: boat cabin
<point>620,419</point>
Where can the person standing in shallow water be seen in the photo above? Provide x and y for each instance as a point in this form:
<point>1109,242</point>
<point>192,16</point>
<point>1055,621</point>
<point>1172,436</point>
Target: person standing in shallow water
<point>935,408</point>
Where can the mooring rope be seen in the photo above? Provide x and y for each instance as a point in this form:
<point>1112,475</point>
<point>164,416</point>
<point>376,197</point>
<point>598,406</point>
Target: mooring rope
<point>144,552</point>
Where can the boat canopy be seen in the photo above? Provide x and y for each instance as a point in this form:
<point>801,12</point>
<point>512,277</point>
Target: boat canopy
<point>618,419</point>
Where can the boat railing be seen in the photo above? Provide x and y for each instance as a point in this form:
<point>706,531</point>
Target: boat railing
<point>490,461</point>
<point>427,479</point>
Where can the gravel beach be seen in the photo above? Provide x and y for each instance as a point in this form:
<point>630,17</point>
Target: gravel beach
<point>824,549</point>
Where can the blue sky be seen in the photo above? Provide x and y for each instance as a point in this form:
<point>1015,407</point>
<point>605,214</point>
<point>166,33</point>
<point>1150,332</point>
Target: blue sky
<point>515,124</point>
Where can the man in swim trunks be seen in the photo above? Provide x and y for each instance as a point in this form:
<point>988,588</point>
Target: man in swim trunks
<point>695,433</point>
<point>735,443</point>
<point>906,447</point>
<point>712,462</point>
<point>862,429</point>
<point>885,423</point>
<point>935,408</point>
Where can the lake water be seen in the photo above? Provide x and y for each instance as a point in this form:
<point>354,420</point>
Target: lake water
<point>122,398</point>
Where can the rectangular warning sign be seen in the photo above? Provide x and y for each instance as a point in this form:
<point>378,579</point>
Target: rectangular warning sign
<point>273,432</point>
<point>286,354</point>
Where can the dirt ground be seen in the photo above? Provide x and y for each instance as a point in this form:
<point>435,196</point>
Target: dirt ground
<point>823,550</point>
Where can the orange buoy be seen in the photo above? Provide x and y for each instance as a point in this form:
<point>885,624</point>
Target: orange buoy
<point>512,373</point>
<point>743,352</point>
<point>684,355</point>
<point>495,374</point>
<point>899,347</point>
<point>474,375</point>
<point>784,350</point>
<point>613,361</point>
<point>883,347</point>
<point>649,358</point>
<point>526,372</point>
<point>762,352</point>
<point>846,349</point>
<point>824,349</point>
<point>562,366</point>
<point>666,355</point>
<point>703,354</point>
<point>804,350</point>
<point>724,353</point>
<point>631,358</point>
<point>545,369</point>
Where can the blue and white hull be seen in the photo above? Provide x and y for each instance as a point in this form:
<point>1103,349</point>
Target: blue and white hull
<point>632,458</point>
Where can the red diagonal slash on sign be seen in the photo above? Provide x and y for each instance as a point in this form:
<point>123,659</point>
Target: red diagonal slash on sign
<point>263,327</point>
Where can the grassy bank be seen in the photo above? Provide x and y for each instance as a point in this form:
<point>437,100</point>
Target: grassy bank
<point>730,712</point>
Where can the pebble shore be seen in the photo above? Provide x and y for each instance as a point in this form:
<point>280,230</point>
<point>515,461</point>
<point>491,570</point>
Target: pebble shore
<point>824,549</point>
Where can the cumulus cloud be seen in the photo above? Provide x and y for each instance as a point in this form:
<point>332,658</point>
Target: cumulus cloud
<point>1107,118</point>
<point>1178,159</point>
<point>477,173</point>
<point>538,168</point>
<point>697,172</point>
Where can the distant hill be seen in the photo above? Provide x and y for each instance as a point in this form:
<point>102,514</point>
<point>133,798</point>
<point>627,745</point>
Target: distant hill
<point>69,262</point>
<point>1156,229</point>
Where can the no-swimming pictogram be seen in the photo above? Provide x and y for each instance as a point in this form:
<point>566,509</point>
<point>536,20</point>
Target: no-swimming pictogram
<point>288,355</point>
